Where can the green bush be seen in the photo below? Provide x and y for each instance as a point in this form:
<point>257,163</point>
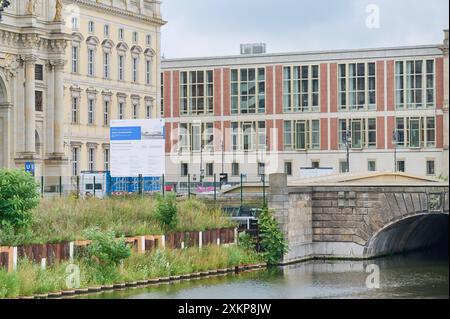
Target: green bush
<point>105,249</point>
<point>273,244</point>
<point>166,211</point>
<point>18,196</point>
<point>245,241</point>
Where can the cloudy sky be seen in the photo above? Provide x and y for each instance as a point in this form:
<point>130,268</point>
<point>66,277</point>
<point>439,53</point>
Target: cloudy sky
<point>217,27</point>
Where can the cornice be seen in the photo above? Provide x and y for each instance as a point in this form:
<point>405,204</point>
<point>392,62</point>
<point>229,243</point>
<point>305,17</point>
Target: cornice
<point>120,12</point>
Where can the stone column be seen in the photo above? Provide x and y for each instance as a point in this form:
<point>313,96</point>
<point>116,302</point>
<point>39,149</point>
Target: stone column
<point>58,121</point>
<point>30,114</point>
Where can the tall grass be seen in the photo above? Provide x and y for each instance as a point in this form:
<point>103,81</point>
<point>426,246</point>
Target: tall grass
<point>29,279</point>
<point>66,219</point>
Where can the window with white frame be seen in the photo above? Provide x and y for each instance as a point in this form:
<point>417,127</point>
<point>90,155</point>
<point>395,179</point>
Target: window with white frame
<point>91,26</point>
<point>431,167</point>
<point>106,159</point>
<point>261,169</point>
<point>74,23</point>
<point>357,86</point>
<point>301,135</point>
<point>121,109</point>
<point>235,169</point>
<point>135,66</point>
<point>91,103</point>
<point>148,109</point>
<point>248,136</point>
<point>195,135</point>
<point>91,61</point>
<point>135,111</point>
<point>148,40</point>
<point>106,31</point>
<point>415,84</point>
<point>91,158</point>
<point>135,37</point>
<point>301,88</point>
<point>106,112</point>
<point>75,161</point>
<point>75,109</point>
<point>371,165</point>
<point>121,65</point>
<point>196,92</point>
<point>248,91</point>
<point>209,169</point>
<point>148,71</point>
<point>288,168</point>
<point>416,132</point>
<point>121,34</point>
<point>363,133</point>
<point>74,58</point>
<point>106,62</point>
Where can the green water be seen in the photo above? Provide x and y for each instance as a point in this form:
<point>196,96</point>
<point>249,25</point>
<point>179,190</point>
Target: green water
<point>418,275</point>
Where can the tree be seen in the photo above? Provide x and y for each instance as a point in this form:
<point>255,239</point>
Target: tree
<point>272,242</point>
<point>18,196</point>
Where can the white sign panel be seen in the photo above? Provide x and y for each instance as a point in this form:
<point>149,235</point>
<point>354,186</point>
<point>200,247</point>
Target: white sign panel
<point>137,147</point>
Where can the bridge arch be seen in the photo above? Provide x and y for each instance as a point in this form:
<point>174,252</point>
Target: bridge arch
<point>410,233</point>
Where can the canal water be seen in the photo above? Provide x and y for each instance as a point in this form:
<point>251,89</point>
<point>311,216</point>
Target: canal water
<point>415,275</point>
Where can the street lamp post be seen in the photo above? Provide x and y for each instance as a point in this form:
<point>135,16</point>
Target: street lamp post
<point>348,141</point>
<point>201,162</point>
<point>395,142</point>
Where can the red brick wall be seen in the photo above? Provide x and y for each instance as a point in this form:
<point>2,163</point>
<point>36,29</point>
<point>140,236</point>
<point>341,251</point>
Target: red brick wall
<point>439,83</point>
<point>380,86</point>
<point>176,93</point>
<point>334,133</point>
<point>175,135</point>
<point>226,92</point>
<point>167,95</point>
<point>168,137</point>
<point>390,85</point>
<point>333,88</point>
<point>324,134</point>
<point>390,130</point>
<point>269,89</point>
<point>439,131</point>
<point>227,135</point>
<point>380,132</point>
<point>324,88</point>
<point>279,89</point>
<point>217,92</point>
<point>279,126</point>
<point>218,136</point>
<point>269,128</point>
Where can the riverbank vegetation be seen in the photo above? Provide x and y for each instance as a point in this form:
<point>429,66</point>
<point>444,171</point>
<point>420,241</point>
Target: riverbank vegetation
<point>67,219</point>
<point>29,279</point>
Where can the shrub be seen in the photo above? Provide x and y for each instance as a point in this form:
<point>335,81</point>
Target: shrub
<point>18,196</point>
<point>166,211</point>
<point>246,242</point>
<point>273,244</point>
<point>105,249</point>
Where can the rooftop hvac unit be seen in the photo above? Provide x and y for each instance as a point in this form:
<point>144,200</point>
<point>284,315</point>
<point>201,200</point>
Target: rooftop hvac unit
<point>253,48</point>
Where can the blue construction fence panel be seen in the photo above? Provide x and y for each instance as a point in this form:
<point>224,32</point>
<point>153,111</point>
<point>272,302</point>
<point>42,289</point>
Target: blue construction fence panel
<point>131,184</point>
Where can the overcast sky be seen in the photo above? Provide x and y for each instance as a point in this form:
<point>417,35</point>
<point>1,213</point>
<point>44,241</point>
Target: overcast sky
<point>217,27</point>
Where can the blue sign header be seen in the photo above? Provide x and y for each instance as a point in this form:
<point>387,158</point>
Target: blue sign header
<point>126,133</point>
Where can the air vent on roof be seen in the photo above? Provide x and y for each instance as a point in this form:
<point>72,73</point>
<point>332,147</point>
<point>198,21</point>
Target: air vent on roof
<point>253,48</point>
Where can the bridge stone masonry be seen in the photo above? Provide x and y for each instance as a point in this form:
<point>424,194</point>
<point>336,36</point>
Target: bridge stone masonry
<point>359,216</point>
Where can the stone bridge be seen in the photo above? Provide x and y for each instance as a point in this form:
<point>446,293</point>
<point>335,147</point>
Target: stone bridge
<point>351,216</point>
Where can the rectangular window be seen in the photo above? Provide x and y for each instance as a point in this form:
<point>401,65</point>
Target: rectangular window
<point>106,31</point>
<point>91,159</point>
<point>416,132</point>
<point>106,113</point>
<point>135,111</point>
<point>121,67</point>
<point>184,169</point>
<point>148,110</point>
<point>91,26</point>
<point>121,34</point>
<point>401,166</point>
<point>415,84</point>
<point>74,59</point>
<point>135,70</point>
<point>148,70</point>
<point>209,169</point>
<point>343,167</point>
<point>288,168</point>
<point>301,135</point>
<point>248,91</point>
<point>39,72</point>
<point>148,40</point>
<point>357,86</point>
<point>261,169</point>
<point>74,23</point>
<point>106,159</point>
<point>197,92</point>
<point>91,56</point>
<point>235,169</point>
<point>362,133</point>
<point>106,65</point>
<point>301,88</point>
<point>38,101</point>
<point>315,164</point>
<point>135,37</point>
<point>75,159</point>
<point>430,167</point>
<point>371,165</point>
<point>74,110</point>
<point>121,110</point>
<point>91,111</point>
